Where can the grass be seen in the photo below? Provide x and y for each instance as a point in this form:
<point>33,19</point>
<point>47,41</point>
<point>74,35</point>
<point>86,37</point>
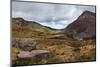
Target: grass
<point>62,52</point>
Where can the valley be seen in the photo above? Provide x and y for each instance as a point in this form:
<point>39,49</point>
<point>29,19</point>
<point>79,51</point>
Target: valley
<point>33,43</point>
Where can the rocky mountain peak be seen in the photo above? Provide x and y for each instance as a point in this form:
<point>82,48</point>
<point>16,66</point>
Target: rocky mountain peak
<point>83,27</point>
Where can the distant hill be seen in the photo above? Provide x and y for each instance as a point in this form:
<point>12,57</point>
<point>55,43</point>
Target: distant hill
<point>21,24</point>
<point>83,27</point>
<point>24,28</point>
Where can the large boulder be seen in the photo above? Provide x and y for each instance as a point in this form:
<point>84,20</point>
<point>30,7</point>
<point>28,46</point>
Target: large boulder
<point>24,54</point>
<point>83,27</point>
<point>26,44</point>
<point>41,54</point>
<point>35,54</point>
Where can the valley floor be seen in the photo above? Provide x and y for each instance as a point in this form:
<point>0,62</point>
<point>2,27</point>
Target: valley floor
<point>62,49</point>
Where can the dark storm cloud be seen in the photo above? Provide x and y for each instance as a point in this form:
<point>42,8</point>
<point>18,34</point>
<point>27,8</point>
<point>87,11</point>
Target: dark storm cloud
<point>53,15</point>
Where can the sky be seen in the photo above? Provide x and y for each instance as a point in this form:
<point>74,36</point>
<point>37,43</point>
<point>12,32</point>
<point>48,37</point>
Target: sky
<point>57,16</point>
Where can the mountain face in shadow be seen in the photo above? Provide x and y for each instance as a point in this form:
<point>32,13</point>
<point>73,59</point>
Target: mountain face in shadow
<point>83,27</point>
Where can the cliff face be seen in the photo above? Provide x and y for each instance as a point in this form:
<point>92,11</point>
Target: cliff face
<point>83,27</point>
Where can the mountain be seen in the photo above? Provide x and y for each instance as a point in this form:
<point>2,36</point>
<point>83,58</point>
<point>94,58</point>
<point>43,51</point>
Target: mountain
<point>21,27</point>
<point>83,27</point>
<point>24,25</point>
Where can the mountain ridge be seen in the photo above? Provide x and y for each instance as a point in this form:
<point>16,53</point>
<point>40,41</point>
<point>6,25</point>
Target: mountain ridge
<point>23,22</point>
<point>83,27</point>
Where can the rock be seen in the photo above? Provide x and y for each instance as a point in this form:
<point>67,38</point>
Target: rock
<point>83,27</point>
<point>35,54</point>
<point>24,54</point>
<point>26,44</point>
<point>41,54</point>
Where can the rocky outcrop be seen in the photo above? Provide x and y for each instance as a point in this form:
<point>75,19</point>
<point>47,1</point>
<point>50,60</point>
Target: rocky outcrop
<point>84,27</point>
<point>26,44</point>
<point>35,54</point>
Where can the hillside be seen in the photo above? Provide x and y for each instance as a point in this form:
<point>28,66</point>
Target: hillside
<point>29,28</point>
<point>83,27</point>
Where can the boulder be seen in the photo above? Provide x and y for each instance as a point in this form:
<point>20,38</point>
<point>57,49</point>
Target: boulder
<point>26,44</point>
<point>41,54</point>
<point>24,54</point>
<point>35,54</point>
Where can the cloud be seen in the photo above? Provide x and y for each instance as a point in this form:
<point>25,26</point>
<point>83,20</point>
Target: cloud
<point>56,16</point>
